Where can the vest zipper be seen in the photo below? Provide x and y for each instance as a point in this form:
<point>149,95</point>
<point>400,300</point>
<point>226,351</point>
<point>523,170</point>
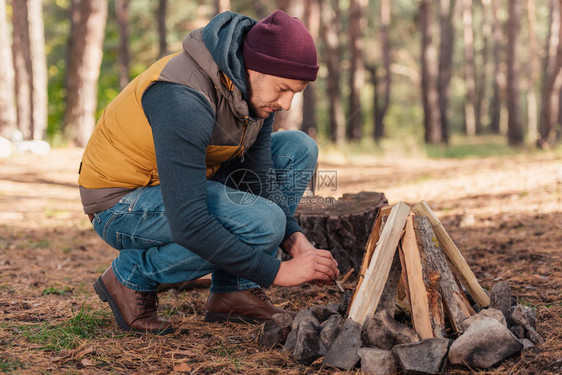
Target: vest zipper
<point>247,122</point>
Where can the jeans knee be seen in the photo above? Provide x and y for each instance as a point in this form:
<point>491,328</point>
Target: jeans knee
<point>272,225</point>
<point>310,146</point>
<point>305,147</point>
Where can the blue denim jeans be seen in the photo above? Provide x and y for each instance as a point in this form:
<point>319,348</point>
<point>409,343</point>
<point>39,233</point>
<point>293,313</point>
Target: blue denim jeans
<point>148,256</point>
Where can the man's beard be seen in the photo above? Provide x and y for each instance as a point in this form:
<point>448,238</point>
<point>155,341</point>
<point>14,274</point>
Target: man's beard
<point>251,106</point>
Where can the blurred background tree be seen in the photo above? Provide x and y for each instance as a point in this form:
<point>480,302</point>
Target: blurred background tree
<point>392,72</point>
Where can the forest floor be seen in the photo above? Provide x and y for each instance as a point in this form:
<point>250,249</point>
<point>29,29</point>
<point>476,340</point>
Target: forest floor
<point>504,213</point>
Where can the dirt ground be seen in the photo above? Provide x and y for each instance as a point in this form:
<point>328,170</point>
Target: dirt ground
<point>504,213</point>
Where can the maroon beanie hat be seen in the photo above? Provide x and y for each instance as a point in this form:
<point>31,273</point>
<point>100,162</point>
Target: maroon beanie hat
<point>280,45</point>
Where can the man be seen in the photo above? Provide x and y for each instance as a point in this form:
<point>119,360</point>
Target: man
<point>178,174</point>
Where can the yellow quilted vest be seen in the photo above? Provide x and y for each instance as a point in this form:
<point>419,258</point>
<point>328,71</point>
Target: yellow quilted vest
<point>120,152</point>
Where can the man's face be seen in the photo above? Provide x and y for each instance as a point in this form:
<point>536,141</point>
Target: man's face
<point>271,93</point>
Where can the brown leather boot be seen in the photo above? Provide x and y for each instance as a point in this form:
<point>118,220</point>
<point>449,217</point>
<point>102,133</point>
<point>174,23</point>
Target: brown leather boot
<point>132,310</point>
<point>246,306</point>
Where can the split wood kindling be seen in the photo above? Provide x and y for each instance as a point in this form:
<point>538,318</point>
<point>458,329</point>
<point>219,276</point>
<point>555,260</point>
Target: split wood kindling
<point>433,270</point>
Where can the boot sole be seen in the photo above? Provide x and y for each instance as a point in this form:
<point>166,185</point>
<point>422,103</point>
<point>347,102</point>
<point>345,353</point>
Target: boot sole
<point>222,317</point>
<point>105,296</point>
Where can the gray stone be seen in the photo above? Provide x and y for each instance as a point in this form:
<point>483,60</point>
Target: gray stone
<point>343,351</point>
<point>274,337</point>
<point>377,361</point>
<point>383,332</point>
<point>345,301</point>
<point>334,306</point>
<point>527,345</point>
<point>534,336</point>
<point>485,313</point>
<point>305,315</point>
<point>322,313</point>
<point>282,319</point>
<point>330,329</point>
<point>500,298</point>
<point>423,357</point>
<point>531,316</point>
<point>308,346</point>
<point>274,331</point>
<point>291,341</point>
<point>485,343</point>
<point>519,316</point>
<point>518,331</point>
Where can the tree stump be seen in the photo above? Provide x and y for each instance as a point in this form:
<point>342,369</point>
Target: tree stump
<point>341,226</point>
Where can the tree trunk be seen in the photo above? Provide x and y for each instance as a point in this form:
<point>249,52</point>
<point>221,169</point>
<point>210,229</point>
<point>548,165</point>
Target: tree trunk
<point>356,69</point>
<point>38,70</point>
<point>430,96</point>
<point>284,5</point>
<point>312,21</point>
<point>514,128</point>
<point>309,111</point>
<point>343,226</point>
<point>22,67</point>
<point>481,79</point>
<point>330,33</point>
<point>85,55</point>
<point>376,81</point>
<point>498,85</point>
<point>446,49</point>
<point>469,111</point>
<point>382,87</point>
<point>161,18</point>
<point>551,80</point>
<point>73,59</point>
<point>560,106</point>
<point>122,15</point>
<point>7,100</point>
<point>531,74</point>
<point>222,5</point>
<point>261,9</point>
<point>292,119</point>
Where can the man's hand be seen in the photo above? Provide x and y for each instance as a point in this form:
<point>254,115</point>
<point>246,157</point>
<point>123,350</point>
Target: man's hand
<point>296,244</point>
<point>308,265</point>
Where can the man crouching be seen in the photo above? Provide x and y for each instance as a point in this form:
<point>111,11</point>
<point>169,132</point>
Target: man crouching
<point>184,177</point>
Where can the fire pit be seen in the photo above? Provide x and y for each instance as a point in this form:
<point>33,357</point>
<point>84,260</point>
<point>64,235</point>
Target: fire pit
<point>416,307</point>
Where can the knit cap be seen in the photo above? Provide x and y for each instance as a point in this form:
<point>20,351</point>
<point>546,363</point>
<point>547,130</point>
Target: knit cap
<point>280,45</point>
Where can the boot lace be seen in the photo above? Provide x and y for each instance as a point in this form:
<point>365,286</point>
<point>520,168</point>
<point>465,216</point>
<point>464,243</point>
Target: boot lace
<point>147,301</point>
<point>258,292</point>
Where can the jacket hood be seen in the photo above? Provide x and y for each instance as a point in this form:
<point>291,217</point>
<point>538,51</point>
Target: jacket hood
<point>223,37</point>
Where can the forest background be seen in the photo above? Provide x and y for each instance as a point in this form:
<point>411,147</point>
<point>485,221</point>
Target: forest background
<point>455,102</point>
<point>394,74</point>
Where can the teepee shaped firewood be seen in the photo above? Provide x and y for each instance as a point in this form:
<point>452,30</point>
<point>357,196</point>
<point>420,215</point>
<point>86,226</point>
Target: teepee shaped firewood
<point>429,271</point>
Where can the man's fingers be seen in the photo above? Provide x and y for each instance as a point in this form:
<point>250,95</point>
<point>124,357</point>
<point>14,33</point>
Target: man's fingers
<point>327,255</point>
<point>331,263</point>
<point>328,271</point>
<point>325,270</point>
<point>319,265</point>
<point>319,275</point>
<point>324,254</point>
<point>325,261</point>
<point>331,266</point>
